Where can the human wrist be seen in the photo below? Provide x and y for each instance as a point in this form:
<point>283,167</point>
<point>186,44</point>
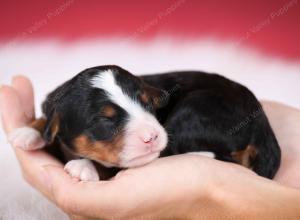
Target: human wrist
<point>260,199</point>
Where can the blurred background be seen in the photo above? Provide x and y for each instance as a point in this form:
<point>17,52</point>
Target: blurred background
<point>255,42</point>
<point>272,27</point>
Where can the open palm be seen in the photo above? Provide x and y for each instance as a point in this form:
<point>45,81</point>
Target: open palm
<point>148,191</point>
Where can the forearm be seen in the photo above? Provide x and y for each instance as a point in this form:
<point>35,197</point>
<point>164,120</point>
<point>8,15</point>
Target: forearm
<point>260,199</point>
<point>274,201</point>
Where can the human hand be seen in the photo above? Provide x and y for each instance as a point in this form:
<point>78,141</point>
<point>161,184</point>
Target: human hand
<point>175,187</point>
<point>285,122</point>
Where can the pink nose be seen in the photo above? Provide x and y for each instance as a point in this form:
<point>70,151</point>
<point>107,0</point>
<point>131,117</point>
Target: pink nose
<point>149,137</point>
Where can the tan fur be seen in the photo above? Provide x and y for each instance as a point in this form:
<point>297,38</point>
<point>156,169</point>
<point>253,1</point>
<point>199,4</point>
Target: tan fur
<point>145,98</point>
<point>55,126</point>
<point>99,150</point>
<point>38,124</point>
<point>109,111</point>
<point>244,157</point>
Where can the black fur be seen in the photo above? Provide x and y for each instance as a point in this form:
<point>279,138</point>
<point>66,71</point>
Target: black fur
<point>200,111</point>
<point>78,105</point>
<point>207,112</point>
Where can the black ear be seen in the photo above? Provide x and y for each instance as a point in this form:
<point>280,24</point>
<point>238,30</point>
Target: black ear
<point>158,97</point>
<point>51,128</point>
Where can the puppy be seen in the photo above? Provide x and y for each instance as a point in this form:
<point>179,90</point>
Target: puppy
<point>105,115</point>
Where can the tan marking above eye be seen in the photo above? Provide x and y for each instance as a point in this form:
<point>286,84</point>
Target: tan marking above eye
<point>109,111</point>
<point>154,95</point>
<point>246,156</point>
<point>99,150</point>
<point>145,98</point>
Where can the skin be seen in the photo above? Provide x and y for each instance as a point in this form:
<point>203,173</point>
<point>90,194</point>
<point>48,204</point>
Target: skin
<point>177,187</point>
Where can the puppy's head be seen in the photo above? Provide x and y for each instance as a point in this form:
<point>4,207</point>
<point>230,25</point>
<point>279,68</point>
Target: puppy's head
<point>107,114</point>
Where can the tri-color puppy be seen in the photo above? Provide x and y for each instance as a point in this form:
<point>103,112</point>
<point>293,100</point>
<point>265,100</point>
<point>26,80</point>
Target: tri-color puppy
<point>111,117</point>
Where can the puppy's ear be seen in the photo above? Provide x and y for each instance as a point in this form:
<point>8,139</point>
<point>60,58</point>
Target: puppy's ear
<point>51,128</point>
<point>158,97</point>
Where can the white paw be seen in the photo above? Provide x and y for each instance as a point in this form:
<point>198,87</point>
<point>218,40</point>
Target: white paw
<point>82,169</point>
<point>204,153</point>
<point>26,138</point>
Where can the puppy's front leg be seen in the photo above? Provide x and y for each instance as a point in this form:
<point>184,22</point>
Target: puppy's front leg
<point>82,169</point>
<point>29,137</point>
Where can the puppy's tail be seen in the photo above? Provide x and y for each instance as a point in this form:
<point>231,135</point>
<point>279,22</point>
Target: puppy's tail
<point>267,160</point>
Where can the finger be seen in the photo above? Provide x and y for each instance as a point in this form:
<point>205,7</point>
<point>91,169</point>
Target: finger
<point>13,117</point>
<point>12,112</point>
<point>32,164</point>
<point>79,198</point>
<point>25,90</point>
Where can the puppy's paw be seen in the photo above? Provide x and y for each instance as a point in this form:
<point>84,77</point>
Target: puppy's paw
<point>26,138</point>
<point>204,153</point>
<point>82,169</point>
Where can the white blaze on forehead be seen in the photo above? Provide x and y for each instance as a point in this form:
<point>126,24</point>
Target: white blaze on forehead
<point>105,80</point>
<point>140,122</point>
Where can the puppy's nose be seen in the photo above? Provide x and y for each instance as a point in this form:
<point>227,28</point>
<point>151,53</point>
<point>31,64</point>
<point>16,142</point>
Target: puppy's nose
<point>149,137</point>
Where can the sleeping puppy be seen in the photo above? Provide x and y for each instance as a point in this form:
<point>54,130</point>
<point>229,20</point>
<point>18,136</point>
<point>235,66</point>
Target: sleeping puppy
<point>107,116</point>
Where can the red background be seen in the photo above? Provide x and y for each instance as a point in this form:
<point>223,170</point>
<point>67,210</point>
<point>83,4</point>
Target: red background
<point>192,19</point>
